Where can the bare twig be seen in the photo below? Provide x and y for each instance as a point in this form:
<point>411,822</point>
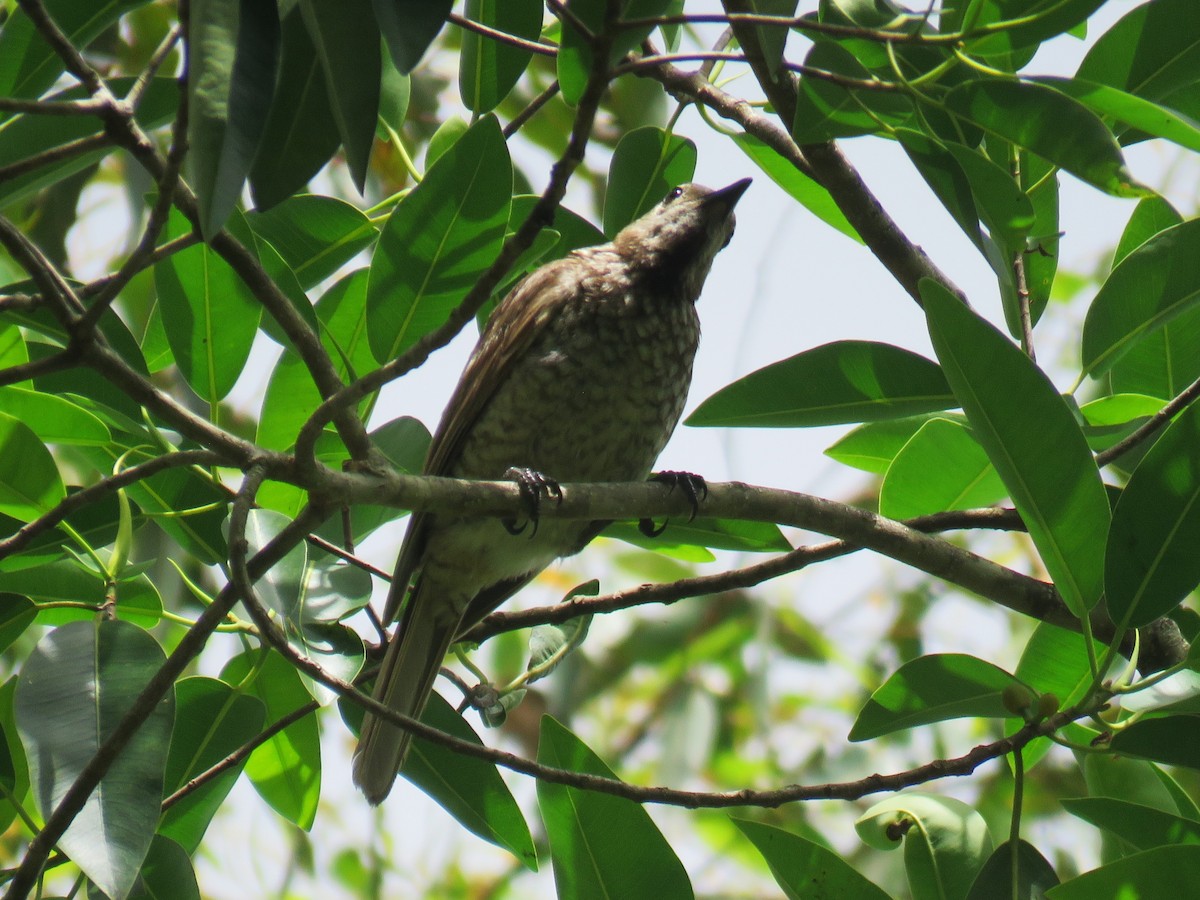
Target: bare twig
<point>1148,429</point>
<point>501,37</point>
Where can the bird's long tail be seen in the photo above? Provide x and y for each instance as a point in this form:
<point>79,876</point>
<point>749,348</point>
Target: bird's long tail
<point>404,684</point>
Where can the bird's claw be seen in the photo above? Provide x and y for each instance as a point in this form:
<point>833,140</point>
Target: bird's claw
<point>694,487</point>
<point>534,486</point>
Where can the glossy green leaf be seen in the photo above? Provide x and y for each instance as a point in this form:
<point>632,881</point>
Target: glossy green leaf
<point>945,177</point>
<point>647,163</point>
<point>64,579</point>
<point>1146,53</point>
<point>213,720</point>
<point>1032,439</point>
<point>75,687</point>
<point>29,481</point>
<point>210,315</point>
<point>575,52</point>
<point>1152,285</point>
<point>409,27</point>
<point>16,615</point>
<point>1149,217</point>
<point>314,234</point>
<point>1151,563</point>
<point>1129,109</point>
<point>167,872</point>
<point>28,64</point>
<point>432,251</point>
<point>933,689</point>
<point>470,789</point>
<point>301,133</point>
<point>1038,21</point>
<point>1142,826</point>
<point>488,69</point>
<point>719,534</point>
<point>1034,875</point>
<point>1003,206</point>
<point>873,446</point>
<point>55,420</point>
<point>798,186</point>
<point>1052,125</point>
<point>286,770</point>
<point>941,467</point>
<point>601,845</point>
<point>199,532</point>
<point>825,110</point>
<point>1161,872</point>
<point>346,39</point>
<point>1174,740</point>
<point>946,842</point>
<point>807,871</point>
<point>232,67</point>
<point>846,381</point>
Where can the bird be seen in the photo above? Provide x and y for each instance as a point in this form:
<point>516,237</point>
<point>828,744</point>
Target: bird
<point>580,375</point>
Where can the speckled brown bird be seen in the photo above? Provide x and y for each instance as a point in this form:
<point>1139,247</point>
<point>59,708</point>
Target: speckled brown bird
<point>581,374</point>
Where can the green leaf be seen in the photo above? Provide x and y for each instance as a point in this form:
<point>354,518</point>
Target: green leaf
<point>1149,217</point>
<point>315,235</point>
<point>1040,19</point>
<point>601,845</point>
<point>55,420</point>
<point>1174,740</point>
<point>16,615</point>
<point>1152,285</point>
<point>1151,563</point>
<point>946,842</point>
<point>575,52</point>
<point>1032,439</point>
<point>1057,128</point>
<point>432,250</point>
<point>647,163</point>
<point>210,315</point>
<point>75,687</point>
<point>945,177</point>
<point>1161,872</point>
<point>286,770</point>
<point>1144,115</point>
<point>347,43</point>
<point>933,689</point>
<point>409,27</point>
<point>812,196</point>
<point>719,534</point>
<point>1146,53</point>
<point>941,467</point>
<point>488,69</point>
<point>29,65</point>
<point>213,720</point>
<point>65,579</point>
<point>232,62</point>
<point>846,381</point>
<point>807,871</point>
<point>301,132</point>
<point>1003,207</point>
<point>470,789</point>
<point>167,872</point>
<point>1034,875</point>
<point>1142,826</point>
<point>29,481</point>
<point>825,111</point>
<point>873,446</point>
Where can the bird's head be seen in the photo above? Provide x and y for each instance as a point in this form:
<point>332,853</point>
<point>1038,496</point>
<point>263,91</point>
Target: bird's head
<point>678,239</point>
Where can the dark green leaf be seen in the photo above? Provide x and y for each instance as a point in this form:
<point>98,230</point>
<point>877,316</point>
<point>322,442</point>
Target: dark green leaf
<point>487,68</point>
<point>232,62</point>
<point>315,235</point>
<point>807,871</point>
<point>1147,53</point>
<point>846,381</point>
<point>647,163</point>
<point>942,467</point>
<point>75,687</point>
<point>1151,563</point>
<point>1149,217</point>
<point>1161,872</point>
<point>1033,440</point>
<point>720,534</point>
<point>1034,875</point>
<point>469,789</point>
<point>825,110</point>
<point>211,317</point>
<point>1144,115</point>
<point>16,615</point>
<point>347,43</point>
<point>945,177</point>
<point>1142,826</point>
<point>438,240</point>
<point>300,133</point>
<point>1039,20</point>
<point>1174,740</point>
<point>601,845</point>
<point>1057,128</point>
<point>933,689</point>
<point>575,53</point>
<point>1152,285</point>
<point>409,27</point>
<point>167,872</point>
<point>213,720</point>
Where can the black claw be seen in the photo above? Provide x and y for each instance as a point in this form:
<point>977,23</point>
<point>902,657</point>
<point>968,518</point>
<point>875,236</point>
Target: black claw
<point>648,528</point>
<point>534,486</point>
<point>694,487</point>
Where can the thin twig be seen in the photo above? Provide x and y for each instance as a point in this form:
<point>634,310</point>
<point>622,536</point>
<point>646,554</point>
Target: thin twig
<point>1149,428</point>
<point>501,37</point>
<point>531,109</point>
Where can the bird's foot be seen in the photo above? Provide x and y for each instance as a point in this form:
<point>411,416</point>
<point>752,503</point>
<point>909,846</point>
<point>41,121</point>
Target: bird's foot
<point>534,486</point>
<point>694,488</point>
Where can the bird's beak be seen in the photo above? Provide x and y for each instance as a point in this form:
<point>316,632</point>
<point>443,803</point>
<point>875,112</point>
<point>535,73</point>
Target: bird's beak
<point>729,196</point>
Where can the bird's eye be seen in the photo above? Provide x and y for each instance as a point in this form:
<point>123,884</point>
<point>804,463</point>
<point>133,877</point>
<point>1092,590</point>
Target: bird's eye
<point>673,195</point>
